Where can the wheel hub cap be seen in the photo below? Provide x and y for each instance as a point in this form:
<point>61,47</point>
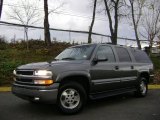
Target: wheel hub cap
<point>70,98</point>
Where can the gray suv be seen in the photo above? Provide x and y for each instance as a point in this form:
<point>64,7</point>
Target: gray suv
<point>82,72</point>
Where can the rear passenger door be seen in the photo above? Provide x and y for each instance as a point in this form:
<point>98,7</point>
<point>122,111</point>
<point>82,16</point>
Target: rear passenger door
<point>104,74</point>
<point>126,68</point>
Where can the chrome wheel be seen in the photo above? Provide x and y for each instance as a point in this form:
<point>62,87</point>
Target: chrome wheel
<point>143,87</point>
<point>70,98</point>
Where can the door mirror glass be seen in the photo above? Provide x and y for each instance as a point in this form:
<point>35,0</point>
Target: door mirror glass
<point>101,57</point>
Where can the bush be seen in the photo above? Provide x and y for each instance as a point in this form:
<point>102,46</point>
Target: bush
<point>157,77</point>
<point>3,43</point>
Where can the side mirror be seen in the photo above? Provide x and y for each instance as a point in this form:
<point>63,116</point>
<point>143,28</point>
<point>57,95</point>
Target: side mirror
<point>100,58</point>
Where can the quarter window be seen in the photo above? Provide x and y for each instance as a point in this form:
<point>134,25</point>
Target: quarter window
<point>140,56</point>
<point>123,54</point>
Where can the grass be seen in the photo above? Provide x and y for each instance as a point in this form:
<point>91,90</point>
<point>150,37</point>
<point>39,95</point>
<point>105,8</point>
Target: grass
<point>156,61</point>
<point>5,89</point>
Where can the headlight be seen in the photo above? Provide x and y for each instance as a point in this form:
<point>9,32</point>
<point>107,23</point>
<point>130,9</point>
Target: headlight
<point>14,72</point>
<point>43,73</point>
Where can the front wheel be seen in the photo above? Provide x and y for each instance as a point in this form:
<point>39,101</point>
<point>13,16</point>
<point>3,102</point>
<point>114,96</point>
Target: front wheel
<point>142,88</point>
<point>71,98</point>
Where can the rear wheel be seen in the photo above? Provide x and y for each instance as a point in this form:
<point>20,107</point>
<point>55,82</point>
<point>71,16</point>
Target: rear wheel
<point>142,88</point>
<point>71,98</point>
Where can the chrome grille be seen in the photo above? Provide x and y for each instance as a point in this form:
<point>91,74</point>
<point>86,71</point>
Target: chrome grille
<point>24,72</point>
<point>24,80</point>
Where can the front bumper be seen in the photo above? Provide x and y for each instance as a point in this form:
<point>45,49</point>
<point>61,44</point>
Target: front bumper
<point>44,93</point>
<point>151,79</point>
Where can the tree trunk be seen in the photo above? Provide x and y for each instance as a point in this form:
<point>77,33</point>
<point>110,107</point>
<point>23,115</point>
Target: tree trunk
<point>26,34</point>
<point>113,31</point>
<point>135,26</point>
<point>151,44</point>
<point>92,23</point>
<point>46,25</point>
<point>1,5</point>
<point>114,41</point>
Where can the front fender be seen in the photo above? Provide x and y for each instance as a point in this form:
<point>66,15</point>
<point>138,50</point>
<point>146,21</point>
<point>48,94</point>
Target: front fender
<point>63,75</point>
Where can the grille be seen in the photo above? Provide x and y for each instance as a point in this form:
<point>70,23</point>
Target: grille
<point>24,72</point>
<point>24,80</point>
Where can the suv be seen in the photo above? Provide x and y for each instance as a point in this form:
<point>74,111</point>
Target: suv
<point>84,71</point>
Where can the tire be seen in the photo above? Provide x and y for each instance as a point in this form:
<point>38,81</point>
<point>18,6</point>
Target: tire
<point>142,88</point>
<point>71,98</point>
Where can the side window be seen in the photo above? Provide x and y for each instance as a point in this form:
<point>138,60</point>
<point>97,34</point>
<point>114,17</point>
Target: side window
<point>123,54</point>
<point>106,52</point>
<point>140,56</point>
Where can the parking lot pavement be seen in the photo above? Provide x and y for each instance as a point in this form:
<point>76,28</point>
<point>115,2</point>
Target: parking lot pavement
<point>122,107</point>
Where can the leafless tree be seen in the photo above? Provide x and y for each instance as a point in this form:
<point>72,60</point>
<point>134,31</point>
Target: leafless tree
<point>136,14</point>
<point>46,20</point>
<point>1,5</point>
<point>26,13</point>
<point>151,21</point>
<point>112,8</point>
<point>92,23</point>
<point>46,24</point>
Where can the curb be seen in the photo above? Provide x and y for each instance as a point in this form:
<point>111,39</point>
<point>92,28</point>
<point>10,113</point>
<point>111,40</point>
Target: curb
<point>153,87</point>
<point>8,89</point>
<point>5,89</point>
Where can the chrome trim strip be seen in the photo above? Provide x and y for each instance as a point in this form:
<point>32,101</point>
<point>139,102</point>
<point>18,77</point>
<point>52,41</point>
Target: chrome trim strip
<point>33,77</point>
<point>114,80</point>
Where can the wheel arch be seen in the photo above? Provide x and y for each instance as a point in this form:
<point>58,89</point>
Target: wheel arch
<point>145,75</point>
<point>81,79</point>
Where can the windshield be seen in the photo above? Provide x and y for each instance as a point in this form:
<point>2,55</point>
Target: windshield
<point>76,53</point>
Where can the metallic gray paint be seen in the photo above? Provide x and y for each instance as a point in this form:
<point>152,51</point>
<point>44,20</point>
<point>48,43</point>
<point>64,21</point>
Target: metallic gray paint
<point>102,76</point>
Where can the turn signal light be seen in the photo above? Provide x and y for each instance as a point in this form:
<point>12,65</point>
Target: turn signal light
<point>43,82</point>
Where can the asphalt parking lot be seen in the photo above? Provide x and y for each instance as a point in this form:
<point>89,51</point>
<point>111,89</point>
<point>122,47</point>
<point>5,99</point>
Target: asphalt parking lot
<point>122,107</point>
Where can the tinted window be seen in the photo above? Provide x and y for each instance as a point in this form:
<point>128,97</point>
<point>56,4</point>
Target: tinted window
<point>140,56</point>
<point>106,52</point>
<point>123,54</point>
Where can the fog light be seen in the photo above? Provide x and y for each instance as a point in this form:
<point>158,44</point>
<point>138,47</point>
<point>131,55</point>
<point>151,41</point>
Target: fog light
<point>43,82</point>
<point>36,98</point>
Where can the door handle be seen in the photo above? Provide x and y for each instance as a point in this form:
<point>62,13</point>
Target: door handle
<point>132,67</point>
<point>116,67</point>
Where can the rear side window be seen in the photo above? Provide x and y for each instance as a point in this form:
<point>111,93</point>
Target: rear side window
<point>140,56</point>
<point>123,54</point>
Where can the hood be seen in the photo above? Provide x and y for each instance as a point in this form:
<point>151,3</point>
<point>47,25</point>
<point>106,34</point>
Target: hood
<point>47,65</point>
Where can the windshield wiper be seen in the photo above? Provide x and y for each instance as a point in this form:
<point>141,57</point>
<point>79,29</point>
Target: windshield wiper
<point>68,58</point>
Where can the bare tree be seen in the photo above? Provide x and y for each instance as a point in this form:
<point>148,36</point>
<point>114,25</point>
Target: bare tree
<point>1,5</point>
<point>92,23</point>
<point>112,8</point>
<point>136,13</point>
<point>25,13</point>
<point>46,21</point>
<point>151,21</point>
<point>46,24</point>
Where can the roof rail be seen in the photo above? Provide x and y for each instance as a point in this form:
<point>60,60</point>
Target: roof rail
<point>108,43</point>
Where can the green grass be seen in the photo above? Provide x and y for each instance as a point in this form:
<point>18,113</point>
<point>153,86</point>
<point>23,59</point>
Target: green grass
<point>156,61</point>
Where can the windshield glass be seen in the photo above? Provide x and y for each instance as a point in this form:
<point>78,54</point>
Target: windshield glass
<point>76,53</point>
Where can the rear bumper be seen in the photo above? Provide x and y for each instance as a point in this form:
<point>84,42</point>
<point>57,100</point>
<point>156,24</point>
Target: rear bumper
<point>43,93</point>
